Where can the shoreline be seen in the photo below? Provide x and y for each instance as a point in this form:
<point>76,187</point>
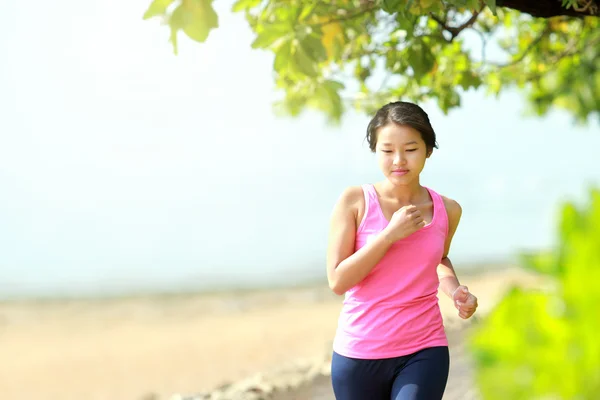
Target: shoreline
<point>310,378</point>
<point>151,347</point>
<point>464,270</point>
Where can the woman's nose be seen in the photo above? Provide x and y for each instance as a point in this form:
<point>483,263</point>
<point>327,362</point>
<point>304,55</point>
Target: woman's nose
<point>399,159</point>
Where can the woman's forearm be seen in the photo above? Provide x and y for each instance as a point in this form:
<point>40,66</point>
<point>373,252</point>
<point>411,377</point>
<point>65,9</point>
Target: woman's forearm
<point>447,277</point>
<point>355,268</point>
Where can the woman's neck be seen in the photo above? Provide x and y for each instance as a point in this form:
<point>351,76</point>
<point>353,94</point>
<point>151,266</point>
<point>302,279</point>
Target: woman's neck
<point>405,194</point>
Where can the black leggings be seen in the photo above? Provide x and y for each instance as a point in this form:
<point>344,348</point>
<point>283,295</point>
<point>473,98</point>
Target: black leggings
<point>419,376</point>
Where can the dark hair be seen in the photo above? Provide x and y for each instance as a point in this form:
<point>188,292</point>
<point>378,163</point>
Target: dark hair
<point>402,113</point>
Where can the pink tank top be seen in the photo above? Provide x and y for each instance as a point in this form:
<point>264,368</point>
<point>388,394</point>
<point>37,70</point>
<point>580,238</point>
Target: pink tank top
<point>394,311</point>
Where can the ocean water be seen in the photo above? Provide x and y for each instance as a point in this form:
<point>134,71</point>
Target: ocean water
<point>124,168</point>
<point>98,224</point>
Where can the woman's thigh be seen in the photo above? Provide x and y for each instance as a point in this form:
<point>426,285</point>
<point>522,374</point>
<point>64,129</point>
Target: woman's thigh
<point>424,376</point>
<point>356,379</point>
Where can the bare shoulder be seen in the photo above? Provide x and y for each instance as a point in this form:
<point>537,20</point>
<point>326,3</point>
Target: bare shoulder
<point>351,195</point>
<point>453,209</point>
<point>351,201</point>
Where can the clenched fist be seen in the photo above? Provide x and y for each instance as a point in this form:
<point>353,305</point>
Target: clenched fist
<point>464,301</point>
<point>403,223</point>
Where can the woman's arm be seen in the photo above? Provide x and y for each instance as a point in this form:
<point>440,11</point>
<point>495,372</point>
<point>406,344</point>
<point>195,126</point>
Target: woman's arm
<point>447,276</point>
<point>345,267</point>
<point>463,300</point>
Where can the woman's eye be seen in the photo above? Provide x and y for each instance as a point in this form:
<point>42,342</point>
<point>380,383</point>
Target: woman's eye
<point>411,149</point>
<point>386,151</point>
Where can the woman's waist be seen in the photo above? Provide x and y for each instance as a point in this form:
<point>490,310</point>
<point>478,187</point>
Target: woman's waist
<point>384,322</point>
<point>381,293</point>
<point>385,312</point>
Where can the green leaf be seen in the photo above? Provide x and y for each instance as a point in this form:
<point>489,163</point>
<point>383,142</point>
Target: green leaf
<point>307,11</point>
<point>177,21</point>
<point>570,221</point>
<point>550,72</point>
<point>469,79</point>
<point>391,6</point>
<point>314,47</point>
<point>202,18</point>
<point>156,8</point>
<point>542,262</point>
<point>338,48</point>
<point>421,58</point>
<point>283,57</point>
<point>492,5</point>
<point>265,39</point>
<point>271,34</point>
<point>241,5</point>
<point>304,63</point>
<point>332,89</point>
<point>293,103</point>
<point>542,342</point>
<point>335,85</point>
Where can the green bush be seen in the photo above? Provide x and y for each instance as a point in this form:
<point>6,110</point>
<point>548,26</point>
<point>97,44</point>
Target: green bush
<point>544,343</point>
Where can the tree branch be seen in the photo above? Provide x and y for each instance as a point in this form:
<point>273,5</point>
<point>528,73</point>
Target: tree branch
<point>550,8</point>
<point>484,41</point>
<point>369,8</point>
<point>571,50</point>
<point>455,30</point>
<point>589,5</point>
<point>533,43</point>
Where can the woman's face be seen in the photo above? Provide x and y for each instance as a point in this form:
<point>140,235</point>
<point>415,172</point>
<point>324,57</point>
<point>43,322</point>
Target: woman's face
<point>401,153</point>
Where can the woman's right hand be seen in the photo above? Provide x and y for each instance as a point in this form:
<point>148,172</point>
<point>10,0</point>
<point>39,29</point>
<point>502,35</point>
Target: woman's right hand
<point>403,223</point>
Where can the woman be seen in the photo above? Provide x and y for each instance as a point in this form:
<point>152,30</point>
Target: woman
<point>388,253</point>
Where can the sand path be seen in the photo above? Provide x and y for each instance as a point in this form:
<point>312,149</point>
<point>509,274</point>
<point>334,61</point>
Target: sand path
<point>153,347</point>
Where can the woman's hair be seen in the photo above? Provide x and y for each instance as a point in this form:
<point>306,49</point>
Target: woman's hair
<point>402,113</point>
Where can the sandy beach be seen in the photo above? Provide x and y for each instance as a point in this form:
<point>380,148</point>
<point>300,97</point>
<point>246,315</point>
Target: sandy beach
<point>152,347</point>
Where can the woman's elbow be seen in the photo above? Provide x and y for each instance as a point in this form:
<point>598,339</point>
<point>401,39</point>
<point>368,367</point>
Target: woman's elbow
<point>336,284</point>
<point>336,287</point>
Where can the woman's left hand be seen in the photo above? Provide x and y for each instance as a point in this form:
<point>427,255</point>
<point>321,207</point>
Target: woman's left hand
<point>464,301</point>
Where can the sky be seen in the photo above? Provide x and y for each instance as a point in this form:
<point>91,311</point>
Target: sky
<point>125,167</point>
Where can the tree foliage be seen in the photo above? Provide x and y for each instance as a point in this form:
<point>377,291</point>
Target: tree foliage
<point>332,54</point>
<point>543,344</point>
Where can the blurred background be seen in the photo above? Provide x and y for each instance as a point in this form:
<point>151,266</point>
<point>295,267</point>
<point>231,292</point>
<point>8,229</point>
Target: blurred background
<point>163,230</point>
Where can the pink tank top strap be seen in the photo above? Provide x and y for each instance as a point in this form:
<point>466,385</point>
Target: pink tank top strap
<point>439,210</point>
<point>371,202</point>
